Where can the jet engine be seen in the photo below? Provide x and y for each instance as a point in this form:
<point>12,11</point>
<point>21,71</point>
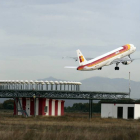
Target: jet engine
<point>126,62</point>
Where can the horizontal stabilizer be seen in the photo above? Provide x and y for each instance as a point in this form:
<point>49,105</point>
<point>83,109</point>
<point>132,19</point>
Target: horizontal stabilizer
<point>76,58</point>
<point>70,67</point>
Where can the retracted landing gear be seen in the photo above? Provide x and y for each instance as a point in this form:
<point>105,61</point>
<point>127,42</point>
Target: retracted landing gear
<point>117,68</point>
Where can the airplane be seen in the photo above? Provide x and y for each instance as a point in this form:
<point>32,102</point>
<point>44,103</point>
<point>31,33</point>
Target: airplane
<point>116,56</point>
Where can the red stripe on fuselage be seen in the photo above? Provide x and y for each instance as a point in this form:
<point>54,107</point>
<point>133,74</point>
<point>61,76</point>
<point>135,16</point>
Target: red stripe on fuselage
<point>125,48</point>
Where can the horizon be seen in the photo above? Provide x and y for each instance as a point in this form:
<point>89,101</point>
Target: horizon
<point>89,78</point>
<point>70,80</point>
<point>51,77</point>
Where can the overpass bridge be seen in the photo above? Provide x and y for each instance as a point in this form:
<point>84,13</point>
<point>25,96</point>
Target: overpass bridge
<point>58,94</point>
<point>54,90</point>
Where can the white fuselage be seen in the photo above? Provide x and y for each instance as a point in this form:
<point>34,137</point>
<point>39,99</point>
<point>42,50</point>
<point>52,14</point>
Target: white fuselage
<point>107,58</point>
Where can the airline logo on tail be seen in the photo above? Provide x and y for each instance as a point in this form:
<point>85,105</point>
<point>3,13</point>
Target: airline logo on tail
<point>81,58</point>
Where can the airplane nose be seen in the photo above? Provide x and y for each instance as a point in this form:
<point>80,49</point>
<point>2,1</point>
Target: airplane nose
<point>133,47</point>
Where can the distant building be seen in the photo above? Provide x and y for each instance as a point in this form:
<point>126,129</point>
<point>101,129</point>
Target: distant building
<point>45,107</point>
<point>120,110</point>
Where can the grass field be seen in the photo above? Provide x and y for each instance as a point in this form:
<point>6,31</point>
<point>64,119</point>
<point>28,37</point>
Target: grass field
<point>72,126</point>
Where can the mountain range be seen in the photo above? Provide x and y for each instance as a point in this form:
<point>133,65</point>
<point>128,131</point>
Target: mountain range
<point>104,84</point>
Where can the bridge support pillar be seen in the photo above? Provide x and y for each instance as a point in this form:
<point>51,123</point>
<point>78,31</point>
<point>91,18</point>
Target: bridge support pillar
<point>34,107</point>
<point>16,104</point>
<point>90,108</point>
<point>19,109</point>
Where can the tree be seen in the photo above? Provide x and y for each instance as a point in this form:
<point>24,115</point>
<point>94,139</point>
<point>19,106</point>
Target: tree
<point>83,107</point>
<point>1,106</point>
<point>8,104</point>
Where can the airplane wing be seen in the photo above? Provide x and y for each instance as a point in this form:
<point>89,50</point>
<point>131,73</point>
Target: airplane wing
<point>120,60</point>
<point>76,59</point>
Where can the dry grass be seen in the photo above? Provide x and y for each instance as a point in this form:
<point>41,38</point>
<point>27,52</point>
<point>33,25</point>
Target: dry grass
<point>72,126</point>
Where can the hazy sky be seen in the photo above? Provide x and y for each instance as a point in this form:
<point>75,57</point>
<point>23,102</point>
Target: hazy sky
<point>35,34</point>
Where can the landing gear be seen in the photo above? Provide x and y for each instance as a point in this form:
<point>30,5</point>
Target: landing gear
<point>116,68</point>
<point>100,68</point>
<point>129,56</point>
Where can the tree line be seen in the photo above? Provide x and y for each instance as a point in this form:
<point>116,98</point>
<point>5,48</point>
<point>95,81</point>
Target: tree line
<point>77,107</point>
<point>96,107</point>
<point>84,107</point>
<point>8,104</point>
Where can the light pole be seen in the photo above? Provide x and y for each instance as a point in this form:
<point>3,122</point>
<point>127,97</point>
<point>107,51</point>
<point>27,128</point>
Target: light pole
<point>61,83</point>
<point>52,83</point>
<point>129,85</point>
<point>47,84</point>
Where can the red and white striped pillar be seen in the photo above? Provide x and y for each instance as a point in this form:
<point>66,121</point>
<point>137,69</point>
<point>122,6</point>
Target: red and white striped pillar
<point>48,107</point>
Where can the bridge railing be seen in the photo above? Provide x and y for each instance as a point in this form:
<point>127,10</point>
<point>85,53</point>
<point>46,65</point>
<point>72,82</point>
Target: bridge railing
<point>39,85</point>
